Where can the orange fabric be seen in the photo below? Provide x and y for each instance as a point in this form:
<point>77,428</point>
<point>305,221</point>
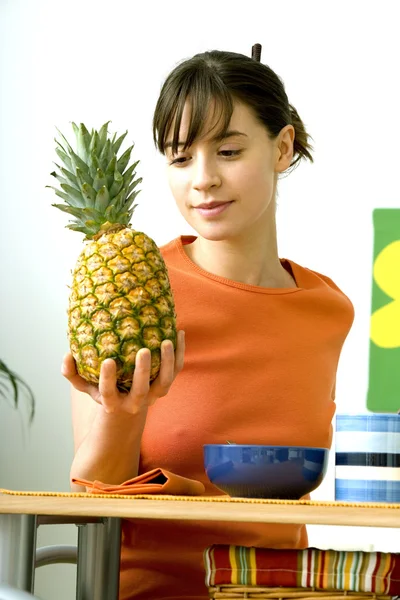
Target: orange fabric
<point>156,481</point>
<point>260,368</point>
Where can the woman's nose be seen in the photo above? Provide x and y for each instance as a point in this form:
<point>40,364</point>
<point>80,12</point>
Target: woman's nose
<point>205,175</point>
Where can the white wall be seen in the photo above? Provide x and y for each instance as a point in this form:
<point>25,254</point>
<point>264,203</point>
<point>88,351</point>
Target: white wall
<point>92,61</point>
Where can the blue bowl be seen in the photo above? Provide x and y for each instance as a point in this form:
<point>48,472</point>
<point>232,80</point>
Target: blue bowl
<point>283,472</point>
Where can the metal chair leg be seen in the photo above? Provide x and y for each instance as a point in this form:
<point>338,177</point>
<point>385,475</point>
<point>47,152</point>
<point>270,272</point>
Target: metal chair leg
<point>98,557</point>
<point>99,560</point>
<point>17,550</point>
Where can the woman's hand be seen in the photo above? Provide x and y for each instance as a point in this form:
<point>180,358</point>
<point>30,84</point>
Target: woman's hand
<point>141,394</point>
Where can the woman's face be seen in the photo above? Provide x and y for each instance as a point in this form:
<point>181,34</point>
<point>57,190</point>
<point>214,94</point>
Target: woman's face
<point>224,187</point>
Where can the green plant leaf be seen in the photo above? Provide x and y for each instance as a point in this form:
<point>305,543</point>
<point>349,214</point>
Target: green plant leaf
<point>83,177</point>
<point>82,141</point>
<point>70,210</point>
<point>60,194</point>
<point>123,161</point>
<point>94,144</point>
<point>111,170</point>
<point>103,136</point>
<point>65,140</point>
<point>117,145</point>
<point>74,194</point>
<point>71,178</point>
<point>66,159</point>
<point>129,173</point>
<point>104,156</point>
<point>102,199</point>
<point>119,200</point>
<point>89,194</point>
<point>16,382</point>
<point>59,178</point>
<point>134,184</point>
<point>79,162</point>
<point>117,184</point>
<point>99,181</point>
<point>131,198</point>
<point>94,165</point>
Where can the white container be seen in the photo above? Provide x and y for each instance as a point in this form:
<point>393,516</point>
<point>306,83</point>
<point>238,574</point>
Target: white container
<point>367,458</point>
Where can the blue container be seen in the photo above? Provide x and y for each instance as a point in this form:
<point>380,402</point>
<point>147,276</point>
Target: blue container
<point>367,458</point>
<point>285,472</point>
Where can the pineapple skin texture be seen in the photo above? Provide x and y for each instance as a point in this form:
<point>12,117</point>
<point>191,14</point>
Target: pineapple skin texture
<point>120,301</point>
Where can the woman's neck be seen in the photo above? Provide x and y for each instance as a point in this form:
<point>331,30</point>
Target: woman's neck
<point>250,259</point>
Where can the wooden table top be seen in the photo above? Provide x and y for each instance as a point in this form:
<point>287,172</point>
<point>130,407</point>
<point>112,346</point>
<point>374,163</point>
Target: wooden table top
<point>204,509</point>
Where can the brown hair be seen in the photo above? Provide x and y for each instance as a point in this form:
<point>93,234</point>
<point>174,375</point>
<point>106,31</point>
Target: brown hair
<point>224,77</point>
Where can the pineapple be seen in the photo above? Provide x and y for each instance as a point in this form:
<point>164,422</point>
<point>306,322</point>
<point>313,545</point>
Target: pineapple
<point>121,299</point>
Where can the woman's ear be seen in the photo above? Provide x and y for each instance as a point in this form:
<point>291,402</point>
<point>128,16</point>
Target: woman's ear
<point>284,148</point>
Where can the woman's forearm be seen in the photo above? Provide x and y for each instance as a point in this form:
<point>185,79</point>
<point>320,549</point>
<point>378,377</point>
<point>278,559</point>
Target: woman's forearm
<point>111,449</point>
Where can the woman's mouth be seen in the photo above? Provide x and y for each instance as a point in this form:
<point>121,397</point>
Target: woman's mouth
<point>213,209</point>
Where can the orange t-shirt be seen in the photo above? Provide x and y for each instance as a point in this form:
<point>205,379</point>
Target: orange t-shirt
<point>260,368</point>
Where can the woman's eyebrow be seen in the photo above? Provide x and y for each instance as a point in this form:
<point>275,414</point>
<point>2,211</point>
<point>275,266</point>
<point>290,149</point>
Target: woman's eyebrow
<point>218,138</point>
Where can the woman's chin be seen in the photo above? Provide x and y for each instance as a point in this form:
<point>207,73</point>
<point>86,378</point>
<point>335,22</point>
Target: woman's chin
<point>215,232</point>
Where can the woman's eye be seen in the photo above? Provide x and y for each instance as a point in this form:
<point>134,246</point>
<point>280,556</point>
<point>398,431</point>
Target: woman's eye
<point>230,153</point>
<point>181,160</point>
<point>178,161</point>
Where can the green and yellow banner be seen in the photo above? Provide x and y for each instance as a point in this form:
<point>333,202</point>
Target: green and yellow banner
<point>384,356</point>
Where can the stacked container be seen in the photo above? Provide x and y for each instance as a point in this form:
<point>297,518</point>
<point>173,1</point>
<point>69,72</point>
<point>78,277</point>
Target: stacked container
<point>367,458</point>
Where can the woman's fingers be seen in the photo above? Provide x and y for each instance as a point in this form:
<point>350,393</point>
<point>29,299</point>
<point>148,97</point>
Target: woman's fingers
<point>180,353</point>
<point>141,380</point>
<point>166,374</point>
<point>68,370</point>
<point>171,364</point>
<point>141,392</point>
<point>108,392</point>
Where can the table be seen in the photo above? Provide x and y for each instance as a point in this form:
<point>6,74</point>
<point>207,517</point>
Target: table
<point>99,522</point>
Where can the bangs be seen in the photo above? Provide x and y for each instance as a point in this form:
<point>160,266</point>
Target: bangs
<point>209,102</point>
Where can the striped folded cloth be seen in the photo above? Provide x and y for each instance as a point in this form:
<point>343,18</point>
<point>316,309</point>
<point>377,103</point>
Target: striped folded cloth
<point>375,572</point>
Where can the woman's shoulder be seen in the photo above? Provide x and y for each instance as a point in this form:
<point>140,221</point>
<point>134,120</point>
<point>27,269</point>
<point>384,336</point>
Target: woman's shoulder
<point>322,288</point>
<point>307,277</point>
<point>176,243</point>
<point>173,251</point>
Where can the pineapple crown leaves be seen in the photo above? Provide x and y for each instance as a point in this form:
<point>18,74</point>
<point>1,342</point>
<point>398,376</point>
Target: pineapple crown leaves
<point>97,184</point>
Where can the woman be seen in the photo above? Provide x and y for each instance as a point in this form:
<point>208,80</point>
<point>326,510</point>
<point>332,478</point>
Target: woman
<point>264,334</point>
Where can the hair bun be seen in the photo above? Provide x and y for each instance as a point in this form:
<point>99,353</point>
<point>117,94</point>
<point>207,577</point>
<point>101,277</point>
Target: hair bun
<point>256,52</point>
